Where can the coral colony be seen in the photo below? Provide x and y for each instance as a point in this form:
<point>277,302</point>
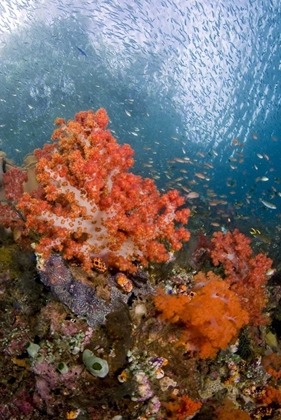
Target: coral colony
<point>90,214</point>
<point>88,204</point>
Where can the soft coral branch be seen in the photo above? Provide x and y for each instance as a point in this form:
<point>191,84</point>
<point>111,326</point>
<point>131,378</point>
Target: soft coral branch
<point>246,274</point>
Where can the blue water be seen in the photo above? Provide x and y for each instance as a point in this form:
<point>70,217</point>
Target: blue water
<point>179,79</point>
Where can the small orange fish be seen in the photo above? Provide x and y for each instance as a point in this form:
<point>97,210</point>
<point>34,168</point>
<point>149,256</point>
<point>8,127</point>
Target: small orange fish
<point>187,190</point>
<point>180,160</point>
<point>200,154</point>
<point>214,203</point>
<point>192,195</point>
<point>208,165</point>
<point>200,175</point>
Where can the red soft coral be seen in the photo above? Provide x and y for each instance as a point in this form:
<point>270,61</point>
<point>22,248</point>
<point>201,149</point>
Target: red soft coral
<point>91,206</point>
<point>245,274</point>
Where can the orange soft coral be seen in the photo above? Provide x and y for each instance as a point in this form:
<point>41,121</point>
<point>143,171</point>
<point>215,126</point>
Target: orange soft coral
<point>211,319</point>
<point>272,364</point>
<point>182,408</point>
<point>270,395</point>
<point>245,273</point>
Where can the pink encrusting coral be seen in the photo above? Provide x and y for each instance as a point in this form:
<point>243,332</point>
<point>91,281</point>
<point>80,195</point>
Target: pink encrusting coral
<point>88,204</point>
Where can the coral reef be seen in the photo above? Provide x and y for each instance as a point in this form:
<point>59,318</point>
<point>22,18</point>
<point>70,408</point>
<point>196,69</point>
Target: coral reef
<point>103,314</point>
<point>46,328</point>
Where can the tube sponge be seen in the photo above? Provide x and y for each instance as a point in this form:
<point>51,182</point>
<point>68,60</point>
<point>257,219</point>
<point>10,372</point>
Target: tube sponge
<point>62,368</point>
<point>95,365</point>
<point>32,349</point>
